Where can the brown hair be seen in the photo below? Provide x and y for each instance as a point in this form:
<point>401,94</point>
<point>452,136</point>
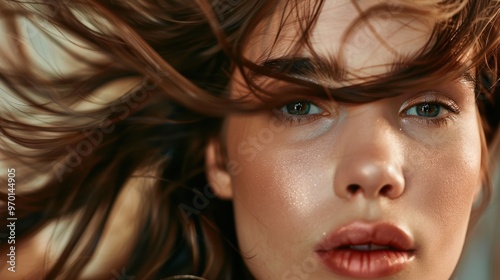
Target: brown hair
<point>183,52</point>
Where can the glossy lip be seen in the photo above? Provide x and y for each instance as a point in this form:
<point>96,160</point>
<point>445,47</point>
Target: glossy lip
<point>335,252</point>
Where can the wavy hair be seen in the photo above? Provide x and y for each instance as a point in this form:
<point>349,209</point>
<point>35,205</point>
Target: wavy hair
<point>83,144</point>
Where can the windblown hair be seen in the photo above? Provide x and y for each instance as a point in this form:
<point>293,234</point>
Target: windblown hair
<point>183,53</point>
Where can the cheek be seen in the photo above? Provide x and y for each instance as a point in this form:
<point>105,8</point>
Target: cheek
<point>447,189</point>
<point>273,173</point>
<point>441,190</point>
<point>446,179</point>
<point>275,191</point>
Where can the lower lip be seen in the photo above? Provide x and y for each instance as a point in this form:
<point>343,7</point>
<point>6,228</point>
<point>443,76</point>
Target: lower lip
<point>366,264</point>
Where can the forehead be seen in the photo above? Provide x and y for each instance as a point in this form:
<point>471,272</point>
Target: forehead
<point>364,45</point>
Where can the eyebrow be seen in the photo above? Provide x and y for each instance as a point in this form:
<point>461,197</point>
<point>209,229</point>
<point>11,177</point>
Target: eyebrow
<point>468,78</point>
<point>306,68</point>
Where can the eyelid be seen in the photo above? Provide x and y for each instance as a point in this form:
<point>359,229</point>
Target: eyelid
<point>431,98</point>
<point>320,109</point>
<point>300,119</point>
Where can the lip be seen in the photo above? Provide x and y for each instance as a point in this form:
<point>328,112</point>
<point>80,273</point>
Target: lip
<point>396,253</point>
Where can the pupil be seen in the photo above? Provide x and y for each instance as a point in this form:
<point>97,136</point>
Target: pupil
<point>298,108</point>
<point>428,110</point>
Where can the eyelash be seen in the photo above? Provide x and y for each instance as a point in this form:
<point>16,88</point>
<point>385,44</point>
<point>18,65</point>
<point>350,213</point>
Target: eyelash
<point>299,119</point>
<point>449,106</point>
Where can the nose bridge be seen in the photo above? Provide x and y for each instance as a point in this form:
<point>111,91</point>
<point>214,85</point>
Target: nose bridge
<point>369,157</point>
<point>368,132</point>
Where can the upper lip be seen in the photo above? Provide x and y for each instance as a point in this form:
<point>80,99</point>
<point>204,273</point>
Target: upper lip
<point>358,233</point>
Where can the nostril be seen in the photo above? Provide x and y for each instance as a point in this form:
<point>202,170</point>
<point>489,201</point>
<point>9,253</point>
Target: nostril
<point>353,188</point>
<point>385,190</point>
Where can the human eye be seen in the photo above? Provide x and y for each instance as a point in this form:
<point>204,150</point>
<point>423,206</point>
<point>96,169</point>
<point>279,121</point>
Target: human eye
<point>435,111</point>
<point>300,112</point>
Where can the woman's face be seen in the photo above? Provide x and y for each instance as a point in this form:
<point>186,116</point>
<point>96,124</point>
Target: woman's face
<point>323,190</point>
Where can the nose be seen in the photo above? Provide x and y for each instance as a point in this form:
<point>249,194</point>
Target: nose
<point>370,160</point>
<point>370,178</point>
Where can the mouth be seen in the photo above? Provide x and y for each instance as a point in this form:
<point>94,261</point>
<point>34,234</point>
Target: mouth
<point>367,250</point>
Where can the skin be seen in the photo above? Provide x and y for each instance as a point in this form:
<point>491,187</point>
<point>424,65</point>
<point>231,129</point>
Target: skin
<point>289,180</point>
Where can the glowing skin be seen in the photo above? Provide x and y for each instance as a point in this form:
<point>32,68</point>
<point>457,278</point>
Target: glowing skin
<point>294,181</point>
